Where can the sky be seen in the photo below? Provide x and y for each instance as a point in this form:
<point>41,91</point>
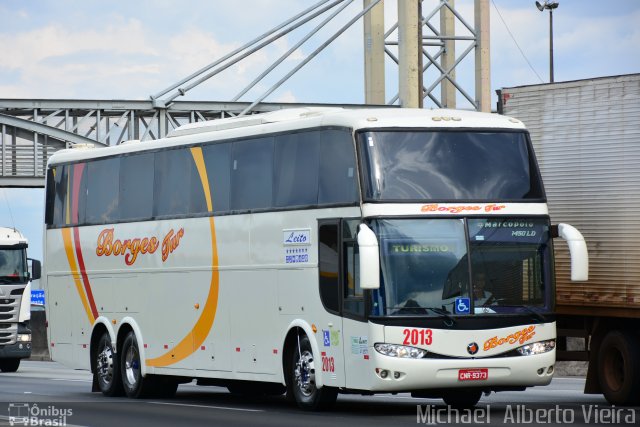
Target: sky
<point>124,49</point>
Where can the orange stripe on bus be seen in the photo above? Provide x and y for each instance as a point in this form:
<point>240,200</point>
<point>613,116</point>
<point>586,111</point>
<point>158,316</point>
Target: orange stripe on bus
<point>68,248</point>
<point>194,339</point>
<point>83,273</point>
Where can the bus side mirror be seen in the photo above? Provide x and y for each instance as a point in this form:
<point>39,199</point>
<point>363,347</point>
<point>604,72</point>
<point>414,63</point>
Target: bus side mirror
<point>36,269</point>
<point>577,250</point>
<point>369,258</point>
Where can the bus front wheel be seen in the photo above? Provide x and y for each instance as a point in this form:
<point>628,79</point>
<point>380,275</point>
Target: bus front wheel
<point>302,379</point>
<point>462,399</point>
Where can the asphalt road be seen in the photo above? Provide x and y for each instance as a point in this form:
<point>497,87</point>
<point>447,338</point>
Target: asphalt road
<point>61,396</point>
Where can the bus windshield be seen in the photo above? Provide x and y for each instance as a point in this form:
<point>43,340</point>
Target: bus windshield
<point>13,267</point>
<point>412,165</point>
<point>496,265</point>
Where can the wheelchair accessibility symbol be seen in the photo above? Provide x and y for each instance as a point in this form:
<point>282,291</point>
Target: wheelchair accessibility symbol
<point>463,305</point>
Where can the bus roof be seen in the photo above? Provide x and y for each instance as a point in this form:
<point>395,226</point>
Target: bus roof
<point>298,119</point>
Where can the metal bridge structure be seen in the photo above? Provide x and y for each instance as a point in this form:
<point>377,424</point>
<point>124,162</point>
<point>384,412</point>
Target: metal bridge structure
<point>423,45</point>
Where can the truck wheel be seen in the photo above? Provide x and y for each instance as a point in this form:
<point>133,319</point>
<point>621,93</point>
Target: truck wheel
<point>302,383</point>
<point>107,368</point>
<point>9,365</point>
<point>462,399</point>
<point>619,368</point>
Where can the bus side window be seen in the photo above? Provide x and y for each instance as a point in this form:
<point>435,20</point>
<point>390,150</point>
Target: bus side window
<point>337,183</point>
<point>353,303</point>
<point>329,265</point>
<point>60,196</point>
<point>103,191</point>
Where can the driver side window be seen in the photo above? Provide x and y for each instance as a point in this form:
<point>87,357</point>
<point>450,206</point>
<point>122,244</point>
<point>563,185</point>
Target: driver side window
<point>353,302</point>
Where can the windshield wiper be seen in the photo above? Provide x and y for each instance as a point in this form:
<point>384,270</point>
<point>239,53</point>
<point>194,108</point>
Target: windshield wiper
<point>535,314</point>
<point>449,321</point>
<point>412,307</point>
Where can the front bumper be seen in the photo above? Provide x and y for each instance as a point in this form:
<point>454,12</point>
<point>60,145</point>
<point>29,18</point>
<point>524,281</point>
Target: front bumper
<point>21,350</point>
<point>11,347</point>
<point>405,375</point>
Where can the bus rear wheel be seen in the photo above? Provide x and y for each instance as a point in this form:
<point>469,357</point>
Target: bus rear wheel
<point>9,365</point>
<point>618,367</point>
<point>302,380</point>
<point>107,368</point>
<point>135,385</point>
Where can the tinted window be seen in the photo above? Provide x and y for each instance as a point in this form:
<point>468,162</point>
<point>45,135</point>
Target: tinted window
<point>252,174</point>
<point>329,262</point>
<point>449,165</point>
<point>102,192</point>
<point>337,168</point>
<point>178,189</point>
<point>217,157</point>
<point>78,196</point>
<point>136,186</point>
<point>59,198</point>
<point>50,197</point>
<point>353,302</point>
<point>297,158</point>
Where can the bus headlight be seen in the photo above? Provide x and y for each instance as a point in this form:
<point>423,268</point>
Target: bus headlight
<point>24,337</point>
<point>536,347</point>
<point>395,350</point>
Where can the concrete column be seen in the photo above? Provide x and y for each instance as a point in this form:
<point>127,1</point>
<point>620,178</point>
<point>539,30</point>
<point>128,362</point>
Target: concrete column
<point>374,90</point>
<point>483,60</point>
<point>410,53</point>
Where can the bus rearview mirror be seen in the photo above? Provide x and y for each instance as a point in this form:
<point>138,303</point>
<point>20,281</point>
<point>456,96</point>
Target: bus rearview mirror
<point>369,258</point>
<point>577,250</point>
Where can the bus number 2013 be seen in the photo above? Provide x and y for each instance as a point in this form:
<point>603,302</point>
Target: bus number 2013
<point>328,364</point>
<point>417,337</point>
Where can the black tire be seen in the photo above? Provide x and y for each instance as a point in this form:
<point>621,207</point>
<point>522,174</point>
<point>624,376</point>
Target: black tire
<point>135,385</point>
<point>619,368</point>
<point>462,399</point>
<point>9,365</point>
<point>107,368</point>
<point>301,385</point>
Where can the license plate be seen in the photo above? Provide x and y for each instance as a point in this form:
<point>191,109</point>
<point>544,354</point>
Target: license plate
<point>473,374</point>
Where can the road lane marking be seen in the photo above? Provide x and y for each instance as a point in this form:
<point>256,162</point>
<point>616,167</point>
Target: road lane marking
<point>206,406</point>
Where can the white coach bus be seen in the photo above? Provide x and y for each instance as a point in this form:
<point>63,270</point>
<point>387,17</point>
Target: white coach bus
<point>313,251</point>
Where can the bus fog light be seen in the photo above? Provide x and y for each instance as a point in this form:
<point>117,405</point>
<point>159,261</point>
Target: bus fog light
<point>384,373</point>
<point>550,370</point>
<point>537,348</point>
<point>540,371</point>
<point>394,350</point>
<point>24,337</point>
<point>396,375</point>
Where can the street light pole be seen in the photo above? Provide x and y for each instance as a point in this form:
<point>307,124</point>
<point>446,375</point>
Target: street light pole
<point>549,4</point>
<point>551,44</point>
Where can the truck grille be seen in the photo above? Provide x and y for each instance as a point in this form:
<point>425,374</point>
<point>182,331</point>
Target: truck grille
<point>10,305</point>
<point>8,335</point>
